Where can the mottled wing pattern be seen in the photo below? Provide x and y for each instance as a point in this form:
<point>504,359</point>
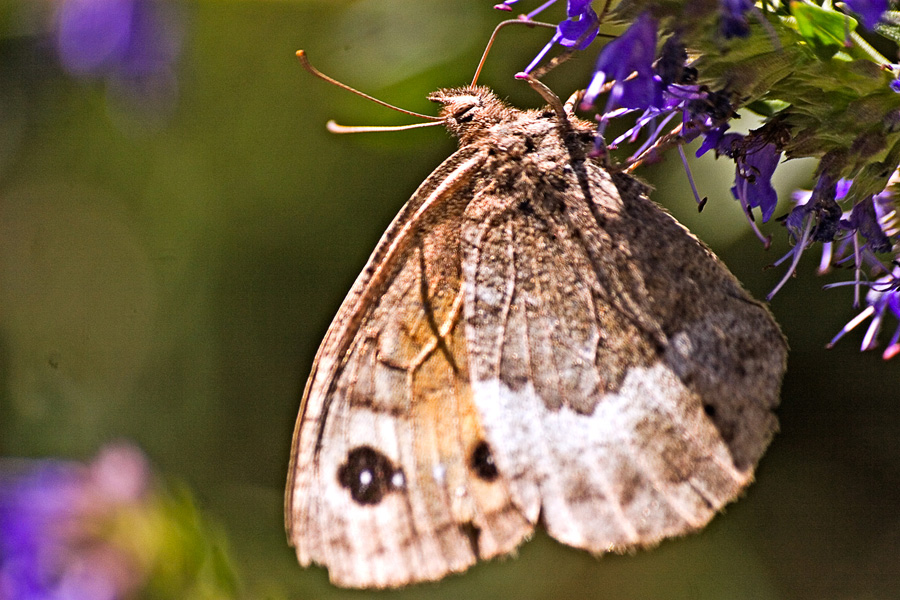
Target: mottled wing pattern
<point>625,380</point>
<point>390,481</point>
<point>533,338</point>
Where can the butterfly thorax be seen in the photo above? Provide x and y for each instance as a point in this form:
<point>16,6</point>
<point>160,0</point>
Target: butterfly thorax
<point>524,152</point>
<point>475,115</point>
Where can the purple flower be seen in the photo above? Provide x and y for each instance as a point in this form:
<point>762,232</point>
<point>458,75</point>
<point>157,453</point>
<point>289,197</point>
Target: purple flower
<point>882,299</point>
<point>873,219</point>
<point>581,26</point>
<point>577,31</point>
<point>733,17</point>
<point>815,218</point>
<point>869,10</point>
<point>131,44</point>
<point>864,219</point>
<point>755,163</point>
<point>711,140</point>
<point>628,60</point>
<point>53,519</point>
<point>124,38</point>
<point>869,228</point>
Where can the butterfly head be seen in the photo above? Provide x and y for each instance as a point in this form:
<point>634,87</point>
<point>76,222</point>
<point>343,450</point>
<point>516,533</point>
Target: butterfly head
<point>469,112</point>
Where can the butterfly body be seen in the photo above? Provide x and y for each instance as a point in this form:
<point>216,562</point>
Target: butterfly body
<point>532,339</point>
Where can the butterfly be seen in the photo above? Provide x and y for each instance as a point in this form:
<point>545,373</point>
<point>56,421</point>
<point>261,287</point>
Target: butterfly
<point>533,340</point>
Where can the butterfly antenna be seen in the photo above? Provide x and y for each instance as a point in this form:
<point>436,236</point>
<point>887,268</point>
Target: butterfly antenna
<point>547,94</point>
<point>523,20</point>
<point>335,128</point>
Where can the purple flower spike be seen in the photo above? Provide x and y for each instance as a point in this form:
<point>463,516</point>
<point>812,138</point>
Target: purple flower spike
<point>869,10</point>
<point>815,218</point>
<point>753,178</point>
<point>733,21</point>
<point>633,52</point>
<point>581,26</point>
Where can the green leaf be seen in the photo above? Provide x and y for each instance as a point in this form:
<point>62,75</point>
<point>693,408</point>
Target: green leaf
<point>767,108</point>
<point>821,26</point>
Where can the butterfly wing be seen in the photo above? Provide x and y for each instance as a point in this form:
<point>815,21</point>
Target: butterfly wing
<point>389,482</point>
<point>624,378</point>
<point>532,339</point>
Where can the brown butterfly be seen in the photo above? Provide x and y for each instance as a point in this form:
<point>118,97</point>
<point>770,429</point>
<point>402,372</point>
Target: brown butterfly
<point>533,339</point>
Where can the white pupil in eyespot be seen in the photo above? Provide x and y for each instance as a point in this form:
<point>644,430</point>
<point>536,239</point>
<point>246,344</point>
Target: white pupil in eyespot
<point>365,477</point>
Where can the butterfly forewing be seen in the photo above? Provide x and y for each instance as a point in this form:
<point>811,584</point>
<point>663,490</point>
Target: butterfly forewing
<point>387,486</point>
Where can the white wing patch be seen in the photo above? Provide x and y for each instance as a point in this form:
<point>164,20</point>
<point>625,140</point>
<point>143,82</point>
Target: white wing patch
<point>647,464</point>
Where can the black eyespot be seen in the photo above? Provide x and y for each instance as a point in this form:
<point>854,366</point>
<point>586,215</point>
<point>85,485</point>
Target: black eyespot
<point>482,462</point>
<point>369,475</point>
<point>710,410</point>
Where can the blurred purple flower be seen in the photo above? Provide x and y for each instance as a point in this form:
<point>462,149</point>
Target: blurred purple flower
<point>869,10</point>
<point>628,60</point>
<point>53,517</point>
<point>733,17</point>
<point>131,44</point>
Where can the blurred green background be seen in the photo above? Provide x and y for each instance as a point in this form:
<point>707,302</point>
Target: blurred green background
<point>169,261</point>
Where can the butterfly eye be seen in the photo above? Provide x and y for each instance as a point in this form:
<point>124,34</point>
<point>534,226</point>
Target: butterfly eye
<point>465,114</point>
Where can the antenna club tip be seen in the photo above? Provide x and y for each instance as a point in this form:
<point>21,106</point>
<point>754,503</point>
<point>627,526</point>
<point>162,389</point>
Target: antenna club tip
<point>301,53</point>
<point>521,75</point>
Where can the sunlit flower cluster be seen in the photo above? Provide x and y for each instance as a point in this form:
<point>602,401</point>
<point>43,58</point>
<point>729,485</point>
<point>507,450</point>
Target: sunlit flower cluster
<point>661,90</point>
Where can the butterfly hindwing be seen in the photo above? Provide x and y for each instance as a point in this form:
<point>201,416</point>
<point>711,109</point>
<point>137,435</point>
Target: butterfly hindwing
<point>625,380</point>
